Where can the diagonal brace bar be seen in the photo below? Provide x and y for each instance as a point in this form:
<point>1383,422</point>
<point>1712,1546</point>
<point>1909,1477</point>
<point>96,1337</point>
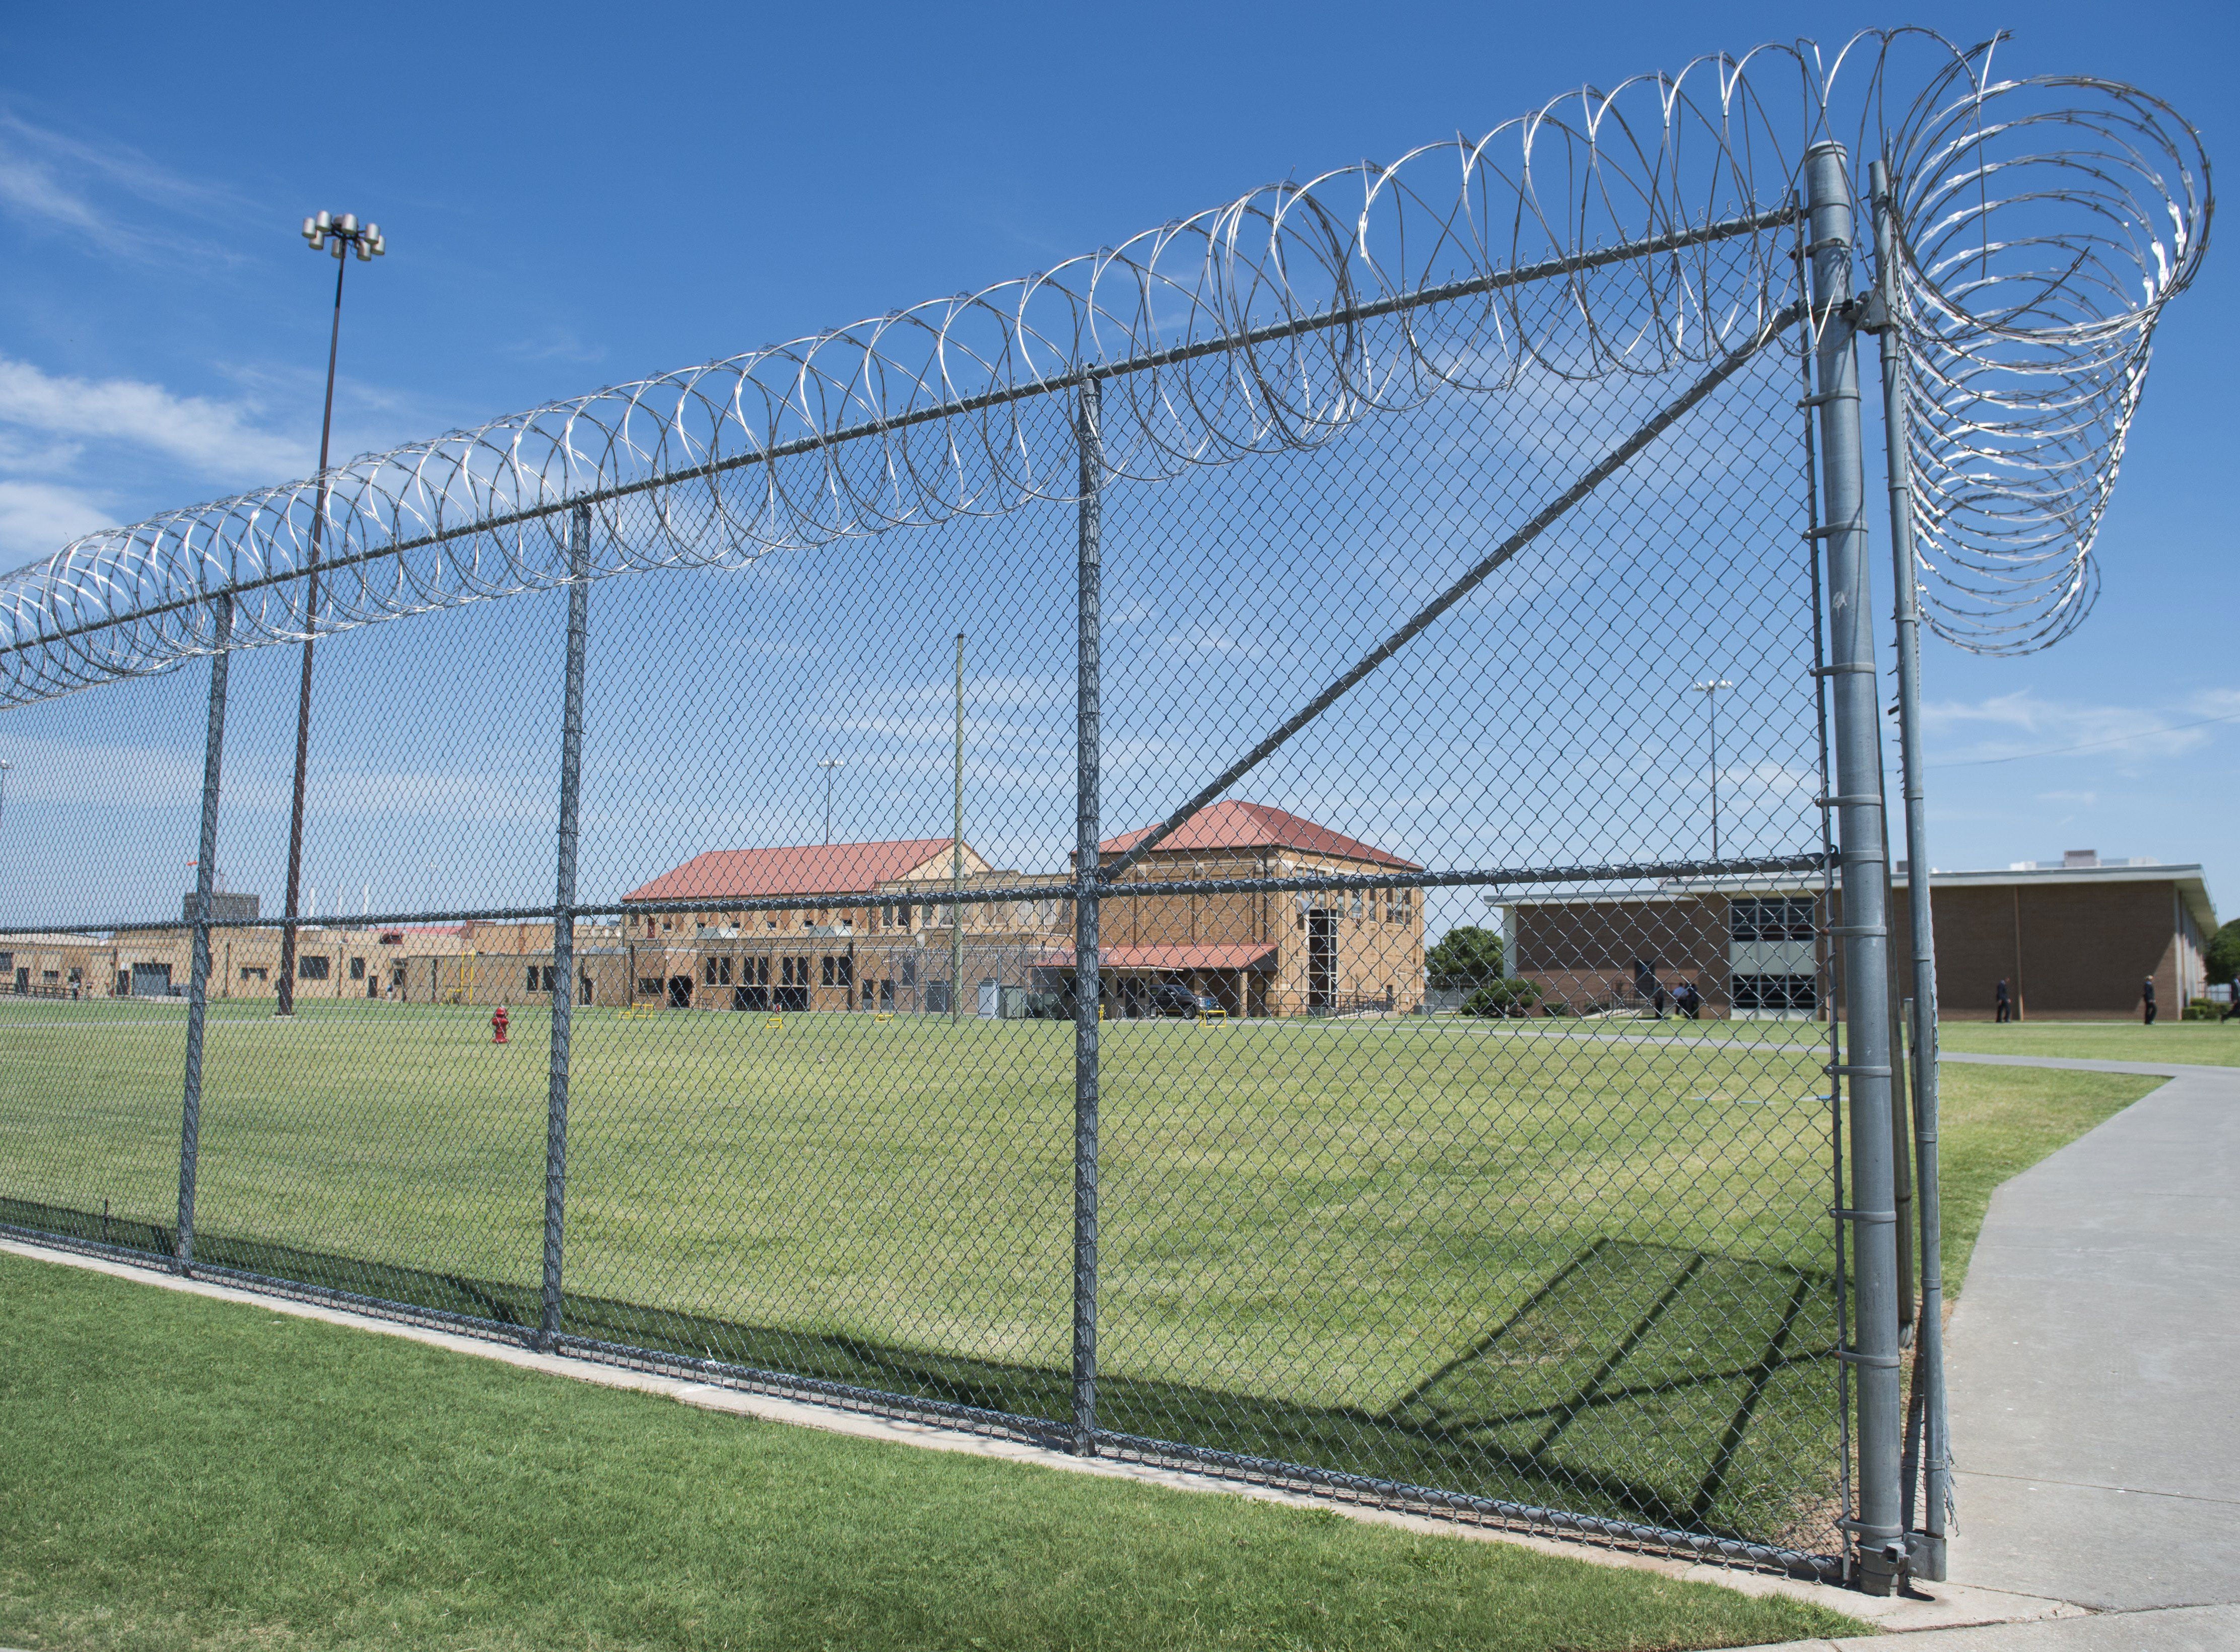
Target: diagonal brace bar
<point>1547,515</point>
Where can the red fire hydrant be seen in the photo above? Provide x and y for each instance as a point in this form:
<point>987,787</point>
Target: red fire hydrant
<point>498,1026</point>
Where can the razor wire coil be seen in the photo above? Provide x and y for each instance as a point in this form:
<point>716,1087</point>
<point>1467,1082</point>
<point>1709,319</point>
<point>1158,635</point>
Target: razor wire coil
<point>2045,223</point>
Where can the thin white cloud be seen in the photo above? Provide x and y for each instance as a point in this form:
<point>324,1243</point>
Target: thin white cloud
<point>57,182</point>
<point>39,517</point>
<point>219,441</point>
<point>2026,725</point>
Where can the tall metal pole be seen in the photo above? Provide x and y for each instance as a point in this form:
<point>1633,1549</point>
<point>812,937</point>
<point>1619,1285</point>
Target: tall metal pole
<point>287,1004</point>
<point>1088,804</point>
<point>190,1108</point>
<point>956,859</point>
<point>563,924</point>
<point>828,764</point>
<point>1929,1547</point>
<point>1878,1525</point>
<point>1710,692</point>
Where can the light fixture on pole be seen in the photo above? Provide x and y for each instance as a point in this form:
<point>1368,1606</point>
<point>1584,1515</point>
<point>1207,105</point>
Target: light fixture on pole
<point>342,235</point>
<point>1709,691</point>
<point>828,764</point>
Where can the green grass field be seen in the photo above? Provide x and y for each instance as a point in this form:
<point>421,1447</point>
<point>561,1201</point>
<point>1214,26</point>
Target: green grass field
<point>2205,1043</point>
<point>1568,1270</point>
<point>188,1475</point>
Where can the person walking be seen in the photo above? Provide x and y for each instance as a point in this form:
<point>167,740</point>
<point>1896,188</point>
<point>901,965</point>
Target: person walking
<point>2147,1000</point>
<point>2002,1002</point>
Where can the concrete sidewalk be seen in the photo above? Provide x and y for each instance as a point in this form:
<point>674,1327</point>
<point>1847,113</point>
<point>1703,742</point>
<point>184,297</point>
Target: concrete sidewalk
<point>2094,1366</point>
<point>2094,1362</point>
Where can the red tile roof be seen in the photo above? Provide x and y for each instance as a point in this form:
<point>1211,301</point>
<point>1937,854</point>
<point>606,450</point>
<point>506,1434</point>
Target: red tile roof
<point>1242,825</point>
<point>1242,955</point>
<point>815,869</point>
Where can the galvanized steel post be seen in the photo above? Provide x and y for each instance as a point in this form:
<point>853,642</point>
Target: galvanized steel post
<point>1876,1524</point>
<point>1928,1539</point>
<point>190,1108</point>
<point>957,857</point>
<point>563,925</point>
<point>1087,998</point>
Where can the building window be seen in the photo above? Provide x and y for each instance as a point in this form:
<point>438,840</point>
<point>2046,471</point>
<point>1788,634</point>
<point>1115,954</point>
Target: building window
<point>1775,992</point>
<point>1355,911</point>
<point>909,972</point>
<point>530,985</point>
<point>828,970</point>
<point>357,969</point>
<point>649,986</point>
<point>847,967</point>
<point>1775,917</point>
<point>311,967</point>
<point>254,972</point>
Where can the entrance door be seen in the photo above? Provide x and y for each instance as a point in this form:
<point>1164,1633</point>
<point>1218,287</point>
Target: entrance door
<point>990,999</point>
<point>680,992</point>
<point>1321,959</point>
<point>151,980</point>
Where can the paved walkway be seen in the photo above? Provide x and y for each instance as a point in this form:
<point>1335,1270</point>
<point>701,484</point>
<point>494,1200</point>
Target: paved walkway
<point>2094,1366</point>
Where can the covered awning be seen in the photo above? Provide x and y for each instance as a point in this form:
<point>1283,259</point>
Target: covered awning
<point>1177,956</point>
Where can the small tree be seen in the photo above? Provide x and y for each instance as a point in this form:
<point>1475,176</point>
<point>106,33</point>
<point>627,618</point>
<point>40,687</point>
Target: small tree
<point>1466,958</point>
<point>1511,996</point>
<point>2223,953</point>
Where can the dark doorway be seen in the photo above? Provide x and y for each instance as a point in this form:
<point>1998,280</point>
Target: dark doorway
<point>1322,958</point>
<point>793,984</point>
<point>680,992</point>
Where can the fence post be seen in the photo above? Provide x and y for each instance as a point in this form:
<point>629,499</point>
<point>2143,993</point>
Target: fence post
<point>190,1108</point>
<point>956,859</point>
<point>1928,1557</point>
<point>563,924</point>
<point>1878,1525</point>
<point>1087,999</point>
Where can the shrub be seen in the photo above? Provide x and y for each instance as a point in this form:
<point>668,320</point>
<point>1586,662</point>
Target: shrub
<point>1508,997</point>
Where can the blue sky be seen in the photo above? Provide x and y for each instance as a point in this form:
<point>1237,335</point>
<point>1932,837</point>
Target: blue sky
<point>574,198</point>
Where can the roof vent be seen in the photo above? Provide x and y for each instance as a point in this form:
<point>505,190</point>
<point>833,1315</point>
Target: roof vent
<point>2074,857</point>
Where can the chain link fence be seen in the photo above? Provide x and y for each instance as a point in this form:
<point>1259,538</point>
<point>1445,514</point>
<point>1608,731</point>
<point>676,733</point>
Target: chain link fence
<point>1282,918</point>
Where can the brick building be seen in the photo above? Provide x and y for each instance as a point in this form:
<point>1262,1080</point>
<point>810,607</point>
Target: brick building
<point>2074,940</point>
<point>877,930</point>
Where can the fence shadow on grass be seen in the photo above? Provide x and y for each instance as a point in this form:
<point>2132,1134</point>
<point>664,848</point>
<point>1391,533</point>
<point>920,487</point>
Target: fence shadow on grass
<point>1672,1387</point>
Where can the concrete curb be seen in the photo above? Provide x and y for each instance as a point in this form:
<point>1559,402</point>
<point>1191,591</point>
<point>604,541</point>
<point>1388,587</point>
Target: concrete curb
<point>2180,1629</point>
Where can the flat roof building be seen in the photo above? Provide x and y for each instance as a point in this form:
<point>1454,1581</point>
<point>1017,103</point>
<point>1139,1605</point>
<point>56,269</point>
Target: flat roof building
<point>2077,938</point>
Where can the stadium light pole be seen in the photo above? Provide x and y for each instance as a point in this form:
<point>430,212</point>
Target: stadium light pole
<point>828,764</point>
<point>345,235</point>
<point>1710,692</point>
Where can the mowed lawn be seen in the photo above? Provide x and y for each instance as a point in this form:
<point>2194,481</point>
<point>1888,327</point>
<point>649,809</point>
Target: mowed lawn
<point>188,1475</point>
<point>1565,1270</point>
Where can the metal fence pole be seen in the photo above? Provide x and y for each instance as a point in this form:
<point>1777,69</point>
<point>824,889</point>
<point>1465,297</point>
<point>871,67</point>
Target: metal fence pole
<point>956,859</point>
<point>1878,1525</point>
<point>1087,998</point>
<point>563,924</point>
<point>191,1108</point>
<point>1928,1559</point>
